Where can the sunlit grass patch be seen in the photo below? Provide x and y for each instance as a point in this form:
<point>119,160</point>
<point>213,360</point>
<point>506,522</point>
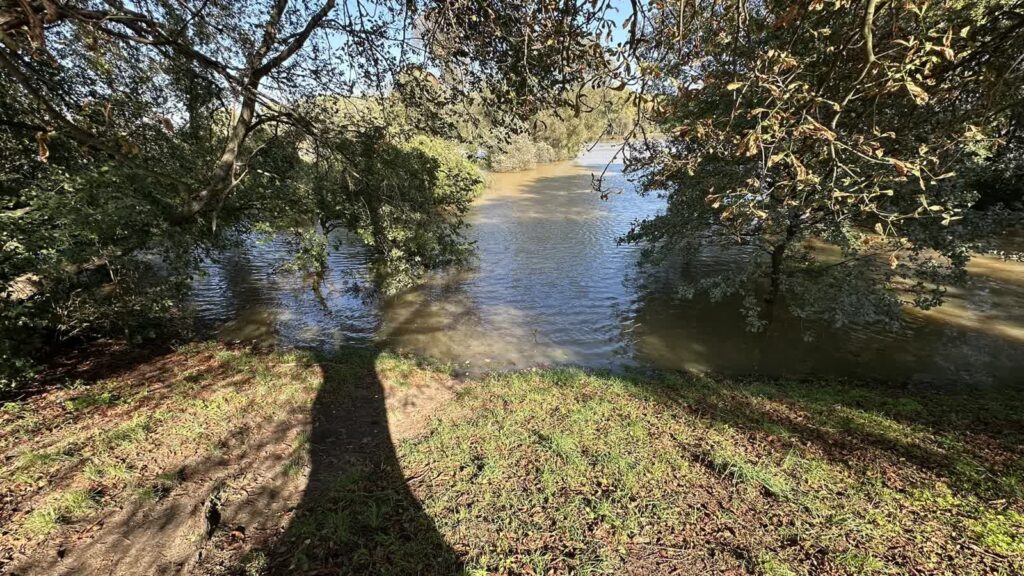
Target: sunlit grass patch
<point>768,564</point>
<point>58,510</point>
<point>569,471</point>
<point>34,464</point>
<point>731,463</point>
<point>600,462</point>
<point>861,563</point>
<point>406,371</point>
<point>566,454</point>
<point>132,431</point>
<point>100,438</point>
<point>106,472</point>
<point>92,400</point>
<point>1000,532</point>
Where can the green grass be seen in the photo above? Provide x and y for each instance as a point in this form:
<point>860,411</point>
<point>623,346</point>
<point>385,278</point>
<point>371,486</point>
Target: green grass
<point>59,510</point>
<point>558,471</point>
<point>860,563</point>
<point>572,472</point>
<point>256,564</point>
<point>91,400</point>
<point>105,472</point>
<point>127,434</point>
<point>729,461</point>
<point>1000,532</point>
<point>769,565</point>
<point>109,436</point>
<point>160,487</point>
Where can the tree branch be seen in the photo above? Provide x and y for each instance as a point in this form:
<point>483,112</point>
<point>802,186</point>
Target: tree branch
<point>296,43</point>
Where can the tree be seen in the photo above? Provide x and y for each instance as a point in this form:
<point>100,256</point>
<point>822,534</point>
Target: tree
<point>872,126</point>
<point>136,136</point>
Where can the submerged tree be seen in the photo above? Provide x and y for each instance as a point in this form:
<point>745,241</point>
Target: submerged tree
<point>871,126</point>
<point>136,135</point>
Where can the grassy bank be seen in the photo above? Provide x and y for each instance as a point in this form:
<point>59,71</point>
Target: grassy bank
<point>225,461</point>
<point>567,472</point>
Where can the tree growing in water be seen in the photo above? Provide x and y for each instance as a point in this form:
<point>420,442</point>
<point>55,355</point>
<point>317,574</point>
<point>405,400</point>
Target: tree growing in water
<point>137,136</point>
<point>873,126</point>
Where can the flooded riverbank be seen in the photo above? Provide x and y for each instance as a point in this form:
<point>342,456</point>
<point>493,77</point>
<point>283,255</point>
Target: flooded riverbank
<point>549,285</point>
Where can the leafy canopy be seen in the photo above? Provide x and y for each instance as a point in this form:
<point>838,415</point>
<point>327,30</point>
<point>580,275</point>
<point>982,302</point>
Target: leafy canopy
<point>875,127</point>
<point>137,136</point>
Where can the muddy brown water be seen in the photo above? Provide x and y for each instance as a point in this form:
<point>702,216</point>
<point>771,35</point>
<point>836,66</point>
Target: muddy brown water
<point>550,286</point>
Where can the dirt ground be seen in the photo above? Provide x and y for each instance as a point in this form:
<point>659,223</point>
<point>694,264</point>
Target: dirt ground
<point>219,468</point>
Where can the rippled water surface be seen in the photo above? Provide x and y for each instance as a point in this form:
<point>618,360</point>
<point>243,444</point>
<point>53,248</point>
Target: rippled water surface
<point>550,285</point>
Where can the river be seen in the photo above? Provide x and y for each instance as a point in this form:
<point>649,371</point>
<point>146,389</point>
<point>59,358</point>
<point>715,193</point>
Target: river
<point>549,285</point>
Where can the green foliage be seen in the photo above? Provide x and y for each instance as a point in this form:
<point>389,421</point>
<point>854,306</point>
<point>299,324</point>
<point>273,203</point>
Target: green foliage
<point>432,184</point>
<point>519,153</point>
<point>846,146</point>
<point>405,196</point>
<point>112,189</point>
<point>559,133</point>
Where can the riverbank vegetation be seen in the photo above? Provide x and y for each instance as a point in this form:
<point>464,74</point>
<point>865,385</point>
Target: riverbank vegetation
<point>880,128</point>
<point>135,140</point>
<point>541,471</point>
<point>864,150</point>
<point>561,133</point>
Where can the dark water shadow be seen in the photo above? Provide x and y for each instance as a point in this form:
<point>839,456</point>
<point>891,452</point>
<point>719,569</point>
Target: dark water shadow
<point>358,515</point>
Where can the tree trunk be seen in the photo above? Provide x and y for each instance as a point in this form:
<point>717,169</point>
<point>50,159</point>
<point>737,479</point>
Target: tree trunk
<point>222,179</point>
<point>775,274</point>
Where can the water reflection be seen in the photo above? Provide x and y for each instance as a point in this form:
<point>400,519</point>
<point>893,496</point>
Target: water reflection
<point>547,281</point>
<point>549,285</point>
<point>247,294</point>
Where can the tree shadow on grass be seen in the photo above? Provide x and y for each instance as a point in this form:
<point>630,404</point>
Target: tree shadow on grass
<point>971,440</point>
<point>357,514</point>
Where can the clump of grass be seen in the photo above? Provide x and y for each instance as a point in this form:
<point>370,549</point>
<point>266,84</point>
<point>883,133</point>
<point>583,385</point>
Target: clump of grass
<point>728,461</point>
<point>92,400</point>
<point>256,563</point>
<point>1000,532</point>
<point>237,360</point>
<point>299,458</point>
<point>161,486</point>
<point>403,370</point>
<point>35,459</point>
<point>108,472</point>
<point>769,565</point>
<point>861,563</point>
<point>60,510</point>
<point>131,432</point>
<point>34,464</point>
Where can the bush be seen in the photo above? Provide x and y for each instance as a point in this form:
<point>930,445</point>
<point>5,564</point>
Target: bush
<point>520,153</point>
